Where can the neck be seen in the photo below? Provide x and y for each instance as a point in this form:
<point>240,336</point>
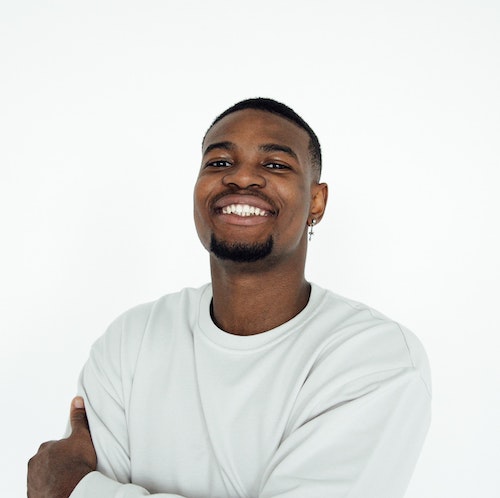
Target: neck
<point>249,300</point>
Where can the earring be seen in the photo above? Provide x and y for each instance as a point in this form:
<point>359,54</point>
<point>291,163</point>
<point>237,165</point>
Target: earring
<point>311,231</point>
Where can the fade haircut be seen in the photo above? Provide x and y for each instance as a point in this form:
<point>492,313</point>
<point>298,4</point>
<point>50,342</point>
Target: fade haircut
<point>275,107</point>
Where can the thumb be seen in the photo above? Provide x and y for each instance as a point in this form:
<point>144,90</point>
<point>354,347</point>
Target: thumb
<point>77,416</point>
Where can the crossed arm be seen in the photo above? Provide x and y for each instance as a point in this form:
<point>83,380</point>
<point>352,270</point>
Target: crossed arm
<point>59,466</point>
<point>362,440</point>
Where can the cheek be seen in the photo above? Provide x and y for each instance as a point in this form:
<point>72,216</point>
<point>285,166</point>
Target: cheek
<point>202,227</point>
<point>298,205</point>
<point>200,194</point>
<point>200,210</point>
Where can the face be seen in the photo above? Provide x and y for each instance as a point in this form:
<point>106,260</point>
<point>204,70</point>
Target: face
<point>256,191</point>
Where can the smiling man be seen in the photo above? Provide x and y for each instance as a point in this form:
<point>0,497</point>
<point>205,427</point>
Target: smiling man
<point>259,384</point>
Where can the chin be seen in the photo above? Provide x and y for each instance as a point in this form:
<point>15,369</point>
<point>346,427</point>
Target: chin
<point>241,252</point>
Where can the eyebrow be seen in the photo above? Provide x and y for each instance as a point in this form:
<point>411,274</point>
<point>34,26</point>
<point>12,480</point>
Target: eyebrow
<point>219,145</point>
<point>278,148</point>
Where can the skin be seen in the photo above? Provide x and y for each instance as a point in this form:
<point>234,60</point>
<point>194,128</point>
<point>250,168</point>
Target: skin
<point>59,466</point>
<point>251,298</point>
<point>238,167</point>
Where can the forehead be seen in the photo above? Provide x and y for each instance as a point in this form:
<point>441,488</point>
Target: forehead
<point>256,127</point>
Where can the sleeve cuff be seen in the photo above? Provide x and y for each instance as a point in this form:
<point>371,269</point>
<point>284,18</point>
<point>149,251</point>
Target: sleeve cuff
<point>97,485</point>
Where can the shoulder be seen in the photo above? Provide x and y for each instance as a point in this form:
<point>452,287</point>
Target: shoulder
<point>126,332</point>
<point>362,341</point>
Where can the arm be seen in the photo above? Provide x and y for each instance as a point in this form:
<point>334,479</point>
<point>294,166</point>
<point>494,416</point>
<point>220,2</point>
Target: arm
<point>365,447</point>
<point>85,466</point>
<point>105,383</point>
<point>351,438</point>
<point>65,468</point>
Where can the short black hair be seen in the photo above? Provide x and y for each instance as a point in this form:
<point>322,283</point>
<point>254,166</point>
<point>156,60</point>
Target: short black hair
<point>275,107</point>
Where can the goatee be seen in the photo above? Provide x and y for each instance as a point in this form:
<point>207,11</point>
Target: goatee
<point>240,252</point>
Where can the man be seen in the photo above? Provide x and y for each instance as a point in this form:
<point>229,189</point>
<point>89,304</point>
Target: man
<point>260,384</point>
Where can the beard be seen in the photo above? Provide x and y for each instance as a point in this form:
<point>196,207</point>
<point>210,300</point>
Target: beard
<point>240,252</point>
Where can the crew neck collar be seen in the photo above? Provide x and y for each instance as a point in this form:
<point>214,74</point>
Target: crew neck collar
<point>252,342</point>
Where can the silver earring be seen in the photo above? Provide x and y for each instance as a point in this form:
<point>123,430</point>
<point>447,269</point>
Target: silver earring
<point>311,230</point>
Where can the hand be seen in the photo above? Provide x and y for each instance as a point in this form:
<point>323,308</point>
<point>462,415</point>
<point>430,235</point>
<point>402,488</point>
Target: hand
<point>59,466</point>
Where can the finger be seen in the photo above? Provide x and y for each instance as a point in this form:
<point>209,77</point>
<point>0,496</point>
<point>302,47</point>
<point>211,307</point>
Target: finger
<point>78,417</point>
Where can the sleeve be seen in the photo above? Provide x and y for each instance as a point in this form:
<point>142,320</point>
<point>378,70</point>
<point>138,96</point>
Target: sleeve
<point>105,384</point>
<point>364,447</point>
<point>97,485</point>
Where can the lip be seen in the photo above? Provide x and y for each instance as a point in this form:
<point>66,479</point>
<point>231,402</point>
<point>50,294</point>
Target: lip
<point>247,221</point>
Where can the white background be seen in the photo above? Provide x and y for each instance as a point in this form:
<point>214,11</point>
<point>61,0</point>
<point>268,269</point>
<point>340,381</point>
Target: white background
<point>102,108</point>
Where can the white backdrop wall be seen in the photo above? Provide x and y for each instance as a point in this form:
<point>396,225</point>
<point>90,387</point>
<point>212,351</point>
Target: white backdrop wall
<point>102,108</point>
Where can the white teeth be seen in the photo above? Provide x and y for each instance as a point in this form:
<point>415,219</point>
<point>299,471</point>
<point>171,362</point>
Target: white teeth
<point>243,210</point>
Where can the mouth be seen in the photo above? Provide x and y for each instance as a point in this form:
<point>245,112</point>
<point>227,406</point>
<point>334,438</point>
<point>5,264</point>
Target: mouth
<point>244,205</point>
<point>244,209</point>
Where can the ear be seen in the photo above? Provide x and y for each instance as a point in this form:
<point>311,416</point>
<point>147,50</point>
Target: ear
<point>319,196</point>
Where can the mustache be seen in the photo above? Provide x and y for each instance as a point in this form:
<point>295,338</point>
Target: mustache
<point>244,191</point>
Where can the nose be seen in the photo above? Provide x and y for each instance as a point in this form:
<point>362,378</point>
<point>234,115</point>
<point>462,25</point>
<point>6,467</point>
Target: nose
<point>244,175</point>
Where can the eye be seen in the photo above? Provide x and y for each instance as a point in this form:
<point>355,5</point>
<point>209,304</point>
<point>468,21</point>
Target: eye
<point>276,166</point>
<point>218,164</point>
